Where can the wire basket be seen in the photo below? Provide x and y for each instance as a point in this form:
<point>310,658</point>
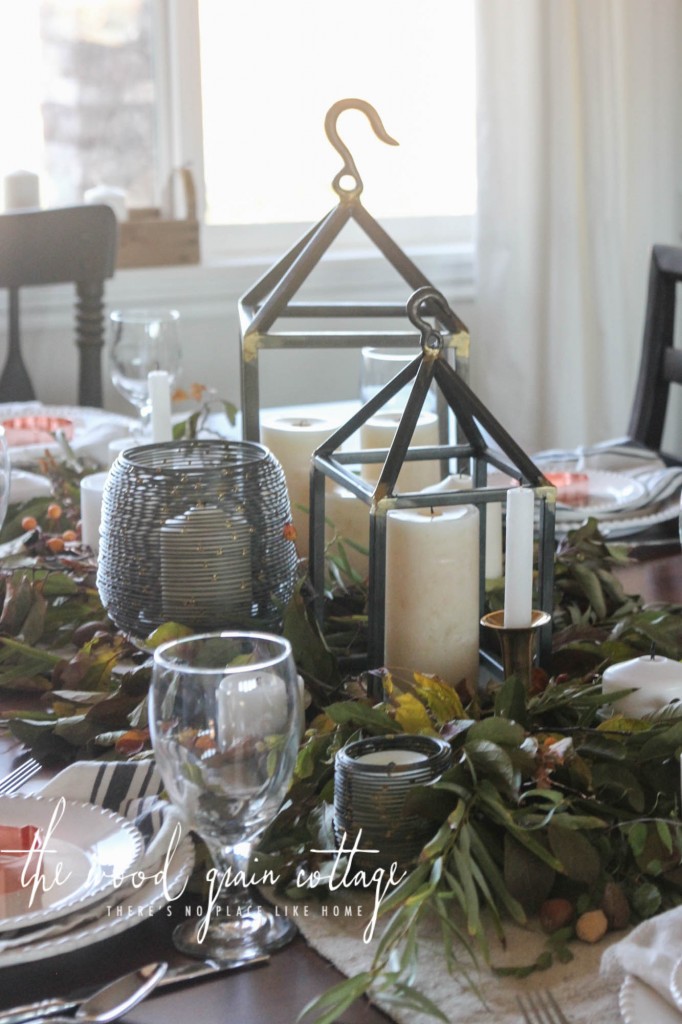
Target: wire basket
<point>196,532</point>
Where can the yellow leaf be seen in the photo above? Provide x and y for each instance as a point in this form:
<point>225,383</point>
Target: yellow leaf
<point>412,716</point>
<point>442,700</point>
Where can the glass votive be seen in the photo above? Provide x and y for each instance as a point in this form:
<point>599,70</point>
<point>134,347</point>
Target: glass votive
<point>373,779</point>
<point>379,366</point>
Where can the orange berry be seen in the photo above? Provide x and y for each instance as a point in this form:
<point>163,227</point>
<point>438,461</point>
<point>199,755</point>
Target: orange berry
<point>55,545</point>
<point>69,535</point>
<point>54,511</point>
<point>29,523</point>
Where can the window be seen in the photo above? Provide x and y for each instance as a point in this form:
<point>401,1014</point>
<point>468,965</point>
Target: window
<point>121,91</point>
<point>271,70</point>
<point>81,98</point>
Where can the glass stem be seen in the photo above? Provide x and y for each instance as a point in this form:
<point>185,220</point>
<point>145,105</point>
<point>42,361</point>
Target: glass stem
<point>231,873</point>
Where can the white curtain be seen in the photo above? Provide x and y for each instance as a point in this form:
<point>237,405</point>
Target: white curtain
<point>580,143</point>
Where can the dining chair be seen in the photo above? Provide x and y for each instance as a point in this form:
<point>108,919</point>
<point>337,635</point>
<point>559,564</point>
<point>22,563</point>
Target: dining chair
<point>41,247</point>
<point>660,362</point>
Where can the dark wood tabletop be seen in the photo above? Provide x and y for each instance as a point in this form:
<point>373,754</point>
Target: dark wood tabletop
<point>275,992</point>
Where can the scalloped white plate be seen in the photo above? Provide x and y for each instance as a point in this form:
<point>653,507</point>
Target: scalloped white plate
<point>676,984</point>
<point>85,850</point>
<point>83,418</point>
<point>594,492</point>
<point>640,1004</point>
<point>116,914</point>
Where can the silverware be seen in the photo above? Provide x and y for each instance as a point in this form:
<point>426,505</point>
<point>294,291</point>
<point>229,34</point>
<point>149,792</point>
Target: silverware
<point>50,1008</point>
<point>541,1008</point>
<point>21,774</point>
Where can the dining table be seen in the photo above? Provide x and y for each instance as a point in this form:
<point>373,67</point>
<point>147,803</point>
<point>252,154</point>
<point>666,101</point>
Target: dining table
<point>278,991</point>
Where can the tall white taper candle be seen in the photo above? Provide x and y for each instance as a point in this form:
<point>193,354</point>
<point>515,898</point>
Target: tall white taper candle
<point>158,382</point>
<point>518,569</point>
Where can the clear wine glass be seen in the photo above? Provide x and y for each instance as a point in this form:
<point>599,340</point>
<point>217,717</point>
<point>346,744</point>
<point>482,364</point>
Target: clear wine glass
<point>143,340</point>
<point>225,718</point>
<point>379,366</point>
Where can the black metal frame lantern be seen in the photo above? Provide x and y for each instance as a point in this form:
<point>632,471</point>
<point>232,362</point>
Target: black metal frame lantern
<point>271,297</point>
<point>485,443</point>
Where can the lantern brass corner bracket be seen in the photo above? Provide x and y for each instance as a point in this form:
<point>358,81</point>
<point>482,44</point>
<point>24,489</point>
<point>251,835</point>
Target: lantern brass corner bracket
<point>481,439</point>
<point>271,297</point>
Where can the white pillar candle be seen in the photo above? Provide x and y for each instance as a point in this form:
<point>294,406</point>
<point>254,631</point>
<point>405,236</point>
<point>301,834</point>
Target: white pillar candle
<point>292,440</point>
<point>206,568</point>
<point>106,195</point>
<point>518,570</point>
<point>348,518</point>
<point>92,489</point>
<point>432,593</point>
<point>22,190</point>
<point>389,757</point>
<point>379,431</point>
<point>158,382</point>
<point>657,682</point>
<point>493,522</point>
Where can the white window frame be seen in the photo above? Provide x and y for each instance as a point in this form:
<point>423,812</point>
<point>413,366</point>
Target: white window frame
<point>442,247</point>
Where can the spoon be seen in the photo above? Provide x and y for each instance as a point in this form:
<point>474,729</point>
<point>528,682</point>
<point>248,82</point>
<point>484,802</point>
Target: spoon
<point>105,1005</point>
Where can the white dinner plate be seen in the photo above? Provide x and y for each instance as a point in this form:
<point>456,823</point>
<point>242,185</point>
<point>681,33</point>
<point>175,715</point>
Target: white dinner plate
<point>640,1004</point>
<point>593,492</point>
<point>82,419</point>
<point>85,850</point>
<point>117,914</point>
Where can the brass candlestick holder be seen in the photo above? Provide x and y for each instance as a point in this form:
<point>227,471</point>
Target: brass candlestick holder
<point>517,643</point>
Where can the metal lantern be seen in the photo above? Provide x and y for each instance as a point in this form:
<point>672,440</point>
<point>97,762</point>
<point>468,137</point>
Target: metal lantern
<point>271,297</point>
<point>482,441</point>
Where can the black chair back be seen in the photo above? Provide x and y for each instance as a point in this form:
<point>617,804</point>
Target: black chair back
<point>661,363</point>
<point>39,247</point>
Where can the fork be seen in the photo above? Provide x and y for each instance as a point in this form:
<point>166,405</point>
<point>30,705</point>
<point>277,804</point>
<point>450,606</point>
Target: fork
<point>21,774</point>
<point>541,1008</point>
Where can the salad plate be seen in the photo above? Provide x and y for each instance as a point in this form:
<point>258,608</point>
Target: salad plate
<point>72,855</point>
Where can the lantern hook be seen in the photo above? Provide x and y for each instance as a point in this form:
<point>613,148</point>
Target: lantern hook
<point>349,170</point>
<point>431,338</point>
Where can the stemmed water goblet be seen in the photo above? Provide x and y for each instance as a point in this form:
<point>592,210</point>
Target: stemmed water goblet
<point>143,340</point>
<point>225,718</point>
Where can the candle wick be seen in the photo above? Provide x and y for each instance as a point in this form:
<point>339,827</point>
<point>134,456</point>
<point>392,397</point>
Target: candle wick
<point>652,652</point>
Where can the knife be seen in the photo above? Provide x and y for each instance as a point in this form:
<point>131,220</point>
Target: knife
<point>174,976</point>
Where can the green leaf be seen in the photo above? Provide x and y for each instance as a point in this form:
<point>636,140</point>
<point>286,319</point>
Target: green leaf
<point>510,700</point>
<point>492,761</point>
<point>646,899</point>
<point>637,836</point>
<point>497,730</point>
<point>362,715</point>
<point>335,1000</point>
<point>579,858</point>
<point>409,998</point>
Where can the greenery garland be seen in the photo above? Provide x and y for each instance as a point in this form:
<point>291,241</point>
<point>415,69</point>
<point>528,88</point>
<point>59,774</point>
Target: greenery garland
<point>542,784</point>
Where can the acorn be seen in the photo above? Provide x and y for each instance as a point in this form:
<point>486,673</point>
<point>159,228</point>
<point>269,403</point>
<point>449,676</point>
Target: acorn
<point>555,914</point>
<point>591,926</point>
<point>615,905</point>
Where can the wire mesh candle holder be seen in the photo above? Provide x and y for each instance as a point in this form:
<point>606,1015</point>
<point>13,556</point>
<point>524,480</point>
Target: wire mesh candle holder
<point>196,532</point>
<point>271,298</point>
<point>437,617</point>
<point>373,779</point>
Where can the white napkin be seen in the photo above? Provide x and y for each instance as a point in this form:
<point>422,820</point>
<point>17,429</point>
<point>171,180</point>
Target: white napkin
<point>650,952</point>
<point>23,486</point>
<point>95,444</point>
